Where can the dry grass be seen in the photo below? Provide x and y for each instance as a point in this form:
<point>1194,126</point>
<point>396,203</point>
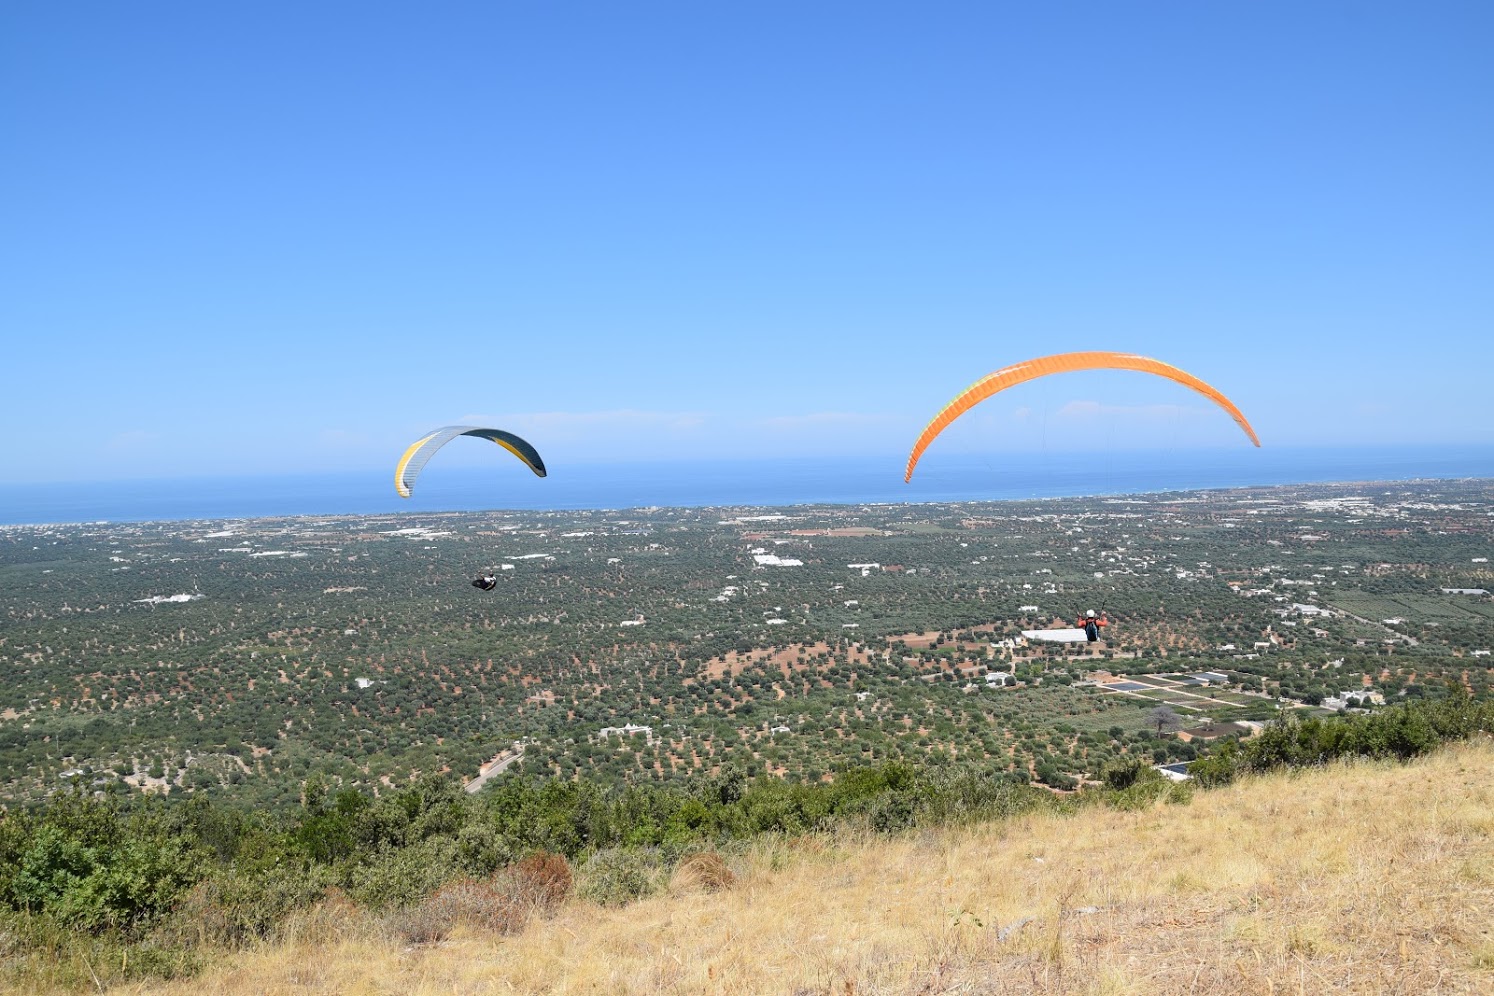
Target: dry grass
<point>706,871</point>
<point>1370,878</point>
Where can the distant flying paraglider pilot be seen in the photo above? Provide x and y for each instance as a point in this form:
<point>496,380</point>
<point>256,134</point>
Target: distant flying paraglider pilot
<point>1091,624</point>
<point>487,582</point>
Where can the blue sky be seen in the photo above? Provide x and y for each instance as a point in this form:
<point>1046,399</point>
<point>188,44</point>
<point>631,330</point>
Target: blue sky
<point>247,238</point>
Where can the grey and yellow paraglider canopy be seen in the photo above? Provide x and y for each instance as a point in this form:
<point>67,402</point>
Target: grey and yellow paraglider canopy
<point>424,448</point>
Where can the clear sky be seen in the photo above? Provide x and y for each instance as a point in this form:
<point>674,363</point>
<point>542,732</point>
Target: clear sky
<point>250,237</point>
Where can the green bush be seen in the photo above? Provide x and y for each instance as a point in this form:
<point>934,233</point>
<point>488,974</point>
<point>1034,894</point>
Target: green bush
<point>1124,773</point>
<point>238,905</point>
<point>167,876</point>
<point>1219,766</point>
<point>399,877</point>
<point>619,875</point>
<point>1400,732</point>
<point>97,882</point>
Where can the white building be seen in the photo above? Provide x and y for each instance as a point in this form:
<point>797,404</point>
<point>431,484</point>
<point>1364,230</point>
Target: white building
<point>1056,635</point>
<point>627,731</point>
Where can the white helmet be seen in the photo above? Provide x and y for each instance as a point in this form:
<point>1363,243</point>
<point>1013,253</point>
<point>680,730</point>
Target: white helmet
<point>1090,613</point>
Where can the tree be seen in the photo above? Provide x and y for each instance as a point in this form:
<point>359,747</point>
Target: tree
<point>1163,718</point>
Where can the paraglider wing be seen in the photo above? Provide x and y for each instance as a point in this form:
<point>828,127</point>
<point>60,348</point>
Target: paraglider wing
<point>420,452</point>
<point>1062,363</point>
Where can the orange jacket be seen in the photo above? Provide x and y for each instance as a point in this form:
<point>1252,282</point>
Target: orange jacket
<point>1097,620</point>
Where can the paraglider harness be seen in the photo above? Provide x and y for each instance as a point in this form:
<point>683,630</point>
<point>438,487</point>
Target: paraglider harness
<point>486,582</point>
<point>1092,625</point>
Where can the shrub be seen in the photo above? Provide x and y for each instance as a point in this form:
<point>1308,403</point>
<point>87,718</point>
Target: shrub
<point>1219,766</point>
<point>541,881</point>
<point>481,849</point>
<point>500,904</point>
<point>404,876</point>
<point>619,875</point>
<point>885,813</point>
<point>236,906</point>
<point>107,885</point>
<point>1402,732</point>
<point>1123,774</point>
<point>1150,789</point>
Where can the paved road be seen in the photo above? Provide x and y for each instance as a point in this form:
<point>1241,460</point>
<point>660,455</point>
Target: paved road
<point>508,758</point>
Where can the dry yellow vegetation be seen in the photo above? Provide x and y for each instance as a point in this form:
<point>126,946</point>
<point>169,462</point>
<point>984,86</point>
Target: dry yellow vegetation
<point>1361,878</point>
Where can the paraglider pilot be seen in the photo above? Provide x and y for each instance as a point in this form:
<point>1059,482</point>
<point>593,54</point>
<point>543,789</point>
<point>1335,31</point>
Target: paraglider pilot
<point>487,582</point>
<point>1091,624</point>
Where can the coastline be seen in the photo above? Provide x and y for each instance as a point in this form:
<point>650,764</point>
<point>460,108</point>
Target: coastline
<point>735,484</point>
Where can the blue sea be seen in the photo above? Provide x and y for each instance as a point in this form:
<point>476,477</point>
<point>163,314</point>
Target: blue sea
<point>735,483</point>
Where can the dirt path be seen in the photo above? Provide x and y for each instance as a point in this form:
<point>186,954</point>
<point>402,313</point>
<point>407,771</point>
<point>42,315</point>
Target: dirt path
<point>1408,640</point>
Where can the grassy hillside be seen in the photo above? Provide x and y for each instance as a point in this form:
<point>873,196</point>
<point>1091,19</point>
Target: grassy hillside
<point>1368,877</point>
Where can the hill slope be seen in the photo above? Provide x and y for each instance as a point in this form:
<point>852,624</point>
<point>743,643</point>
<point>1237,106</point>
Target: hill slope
<point>1370,877</point>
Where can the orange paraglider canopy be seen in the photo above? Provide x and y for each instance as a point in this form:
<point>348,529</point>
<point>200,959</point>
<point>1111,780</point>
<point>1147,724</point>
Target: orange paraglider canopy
<point>1062,363</point>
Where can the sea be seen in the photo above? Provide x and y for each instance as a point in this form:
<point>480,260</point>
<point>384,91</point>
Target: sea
<point>837,481</point>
